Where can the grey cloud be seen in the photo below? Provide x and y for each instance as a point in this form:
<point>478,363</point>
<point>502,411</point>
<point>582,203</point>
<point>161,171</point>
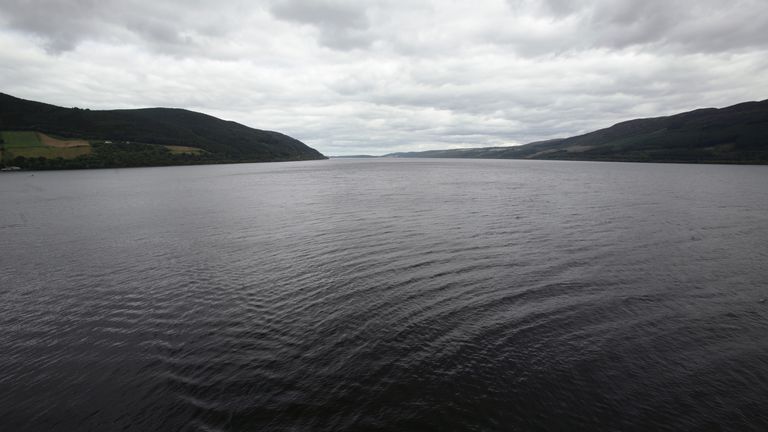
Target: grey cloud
<point>672,25</point>
<point>342,25</point>
<point>167,27</point>
<point>702,26</point>
<point>59,34</point>
<point>555,8</point>
<point>323,13</point>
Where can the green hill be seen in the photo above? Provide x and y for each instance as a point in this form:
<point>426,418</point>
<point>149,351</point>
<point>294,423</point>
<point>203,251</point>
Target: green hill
<point>122,132</point>
<point>736,134</point>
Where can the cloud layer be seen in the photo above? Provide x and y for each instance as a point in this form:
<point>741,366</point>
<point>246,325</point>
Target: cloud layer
<point>373,77</point>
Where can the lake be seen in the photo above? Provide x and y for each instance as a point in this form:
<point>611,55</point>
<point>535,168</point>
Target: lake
<point>385,294</point>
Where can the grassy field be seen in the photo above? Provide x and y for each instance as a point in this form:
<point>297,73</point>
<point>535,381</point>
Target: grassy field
<point>33,145</point>
<point>50,141</point>
<point>20,140</point>
<point>184,149</point>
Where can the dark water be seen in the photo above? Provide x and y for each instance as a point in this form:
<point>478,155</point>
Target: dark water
<point>385,295</point>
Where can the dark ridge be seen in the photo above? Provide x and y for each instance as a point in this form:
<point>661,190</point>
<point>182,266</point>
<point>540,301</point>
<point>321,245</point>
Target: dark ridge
<point>736,134</point>
<point>228,140</point>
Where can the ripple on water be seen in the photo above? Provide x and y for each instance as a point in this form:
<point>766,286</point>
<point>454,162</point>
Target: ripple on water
<point>386,295</point>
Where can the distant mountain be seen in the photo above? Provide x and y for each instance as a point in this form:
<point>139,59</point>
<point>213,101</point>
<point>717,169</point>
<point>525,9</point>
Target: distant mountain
<point>220,140</point>
<point>736,134</point>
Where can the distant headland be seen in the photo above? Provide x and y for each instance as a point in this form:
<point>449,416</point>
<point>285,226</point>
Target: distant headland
<point>736,134</point>
<point>35,135</point>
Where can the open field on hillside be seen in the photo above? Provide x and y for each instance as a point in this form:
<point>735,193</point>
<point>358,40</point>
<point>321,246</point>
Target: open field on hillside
<point>34,144</point>
<point>14,140</point>
<point>175,149</point>
<point>61,143</point>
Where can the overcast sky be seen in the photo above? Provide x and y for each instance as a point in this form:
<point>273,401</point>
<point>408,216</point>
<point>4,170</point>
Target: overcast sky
<point>351,77</point>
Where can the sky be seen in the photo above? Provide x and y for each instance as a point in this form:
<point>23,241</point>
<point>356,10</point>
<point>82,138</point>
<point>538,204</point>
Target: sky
<point>380,76</point>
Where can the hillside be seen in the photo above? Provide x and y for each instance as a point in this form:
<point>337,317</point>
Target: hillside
<point>736,134</point>
<point>116,131</point>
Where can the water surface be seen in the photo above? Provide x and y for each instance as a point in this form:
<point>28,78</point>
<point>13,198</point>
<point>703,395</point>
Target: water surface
<point>385,295</point>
